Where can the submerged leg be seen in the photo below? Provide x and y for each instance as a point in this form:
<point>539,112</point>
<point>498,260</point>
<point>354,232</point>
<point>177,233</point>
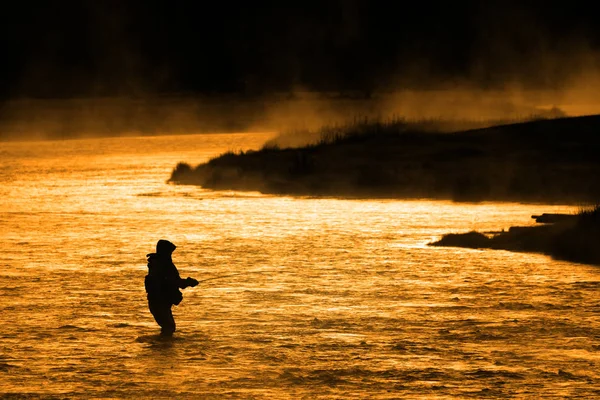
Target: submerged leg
<point>164,317</point>
<point>169,323</point>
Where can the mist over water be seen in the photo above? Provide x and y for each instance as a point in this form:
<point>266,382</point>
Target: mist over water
<point>446,109</point>
<point>334,298</point>
<point>83,70</point>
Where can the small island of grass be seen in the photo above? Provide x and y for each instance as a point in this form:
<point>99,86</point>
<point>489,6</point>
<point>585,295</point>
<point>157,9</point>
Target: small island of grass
<point>572,238</point>
<point>546,161</point>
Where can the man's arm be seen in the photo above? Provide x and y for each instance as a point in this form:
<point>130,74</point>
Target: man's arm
<point>179,282</point>
<point>187,282</point>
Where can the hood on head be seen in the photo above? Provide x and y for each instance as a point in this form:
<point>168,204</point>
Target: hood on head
<point>165,247</point>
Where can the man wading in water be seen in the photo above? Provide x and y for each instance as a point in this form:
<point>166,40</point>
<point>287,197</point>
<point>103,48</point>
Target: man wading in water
<point>162,286</point>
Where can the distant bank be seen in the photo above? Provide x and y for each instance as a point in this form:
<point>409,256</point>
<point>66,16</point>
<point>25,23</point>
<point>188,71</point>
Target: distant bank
<point>572,238</point>
<point>547,161</point>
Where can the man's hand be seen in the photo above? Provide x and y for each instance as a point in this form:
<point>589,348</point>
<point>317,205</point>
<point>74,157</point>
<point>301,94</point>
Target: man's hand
<point>191,282</point>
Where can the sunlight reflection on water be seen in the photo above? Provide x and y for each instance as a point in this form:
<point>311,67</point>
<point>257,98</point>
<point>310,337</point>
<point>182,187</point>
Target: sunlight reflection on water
<point>333,298</point>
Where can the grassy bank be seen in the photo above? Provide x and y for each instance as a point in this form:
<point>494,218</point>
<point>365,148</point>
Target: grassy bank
<point>574,239</point>
<point>539,161</point>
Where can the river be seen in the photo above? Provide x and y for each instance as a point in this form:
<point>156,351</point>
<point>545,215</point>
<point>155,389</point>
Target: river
<point>321,298</point>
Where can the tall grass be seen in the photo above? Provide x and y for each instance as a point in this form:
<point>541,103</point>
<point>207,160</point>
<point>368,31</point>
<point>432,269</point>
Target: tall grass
<point>590,215</point>
<point>580,243</point>
<point>395,124</point>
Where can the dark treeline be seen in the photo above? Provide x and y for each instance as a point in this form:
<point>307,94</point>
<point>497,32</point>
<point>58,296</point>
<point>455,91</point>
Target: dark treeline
<point>105,48</point>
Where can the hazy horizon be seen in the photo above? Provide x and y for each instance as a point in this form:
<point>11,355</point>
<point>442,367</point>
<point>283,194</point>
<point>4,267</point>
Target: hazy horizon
<point>78,69</point>
<point>28,118</point>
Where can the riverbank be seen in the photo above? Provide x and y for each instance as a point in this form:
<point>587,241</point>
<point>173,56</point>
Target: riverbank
<point>572,238</point>
<point>546,161</point>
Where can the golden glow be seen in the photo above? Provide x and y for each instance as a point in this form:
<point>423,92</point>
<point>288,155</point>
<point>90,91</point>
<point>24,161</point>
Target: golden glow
<point>351,299</point>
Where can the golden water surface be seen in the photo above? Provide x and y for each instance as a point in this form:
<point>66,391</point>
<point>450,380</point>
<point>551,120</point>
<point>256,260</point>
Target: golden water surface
<point>326,298</point>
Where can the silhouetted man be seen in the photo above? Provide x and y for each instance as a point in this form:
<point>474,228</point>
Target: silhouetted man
<point>162,286</point>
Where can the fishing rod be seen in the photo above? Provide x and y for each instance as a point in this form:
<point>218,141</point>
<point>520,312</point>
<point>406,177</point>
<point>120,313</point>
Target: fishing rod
<point>227,276</point>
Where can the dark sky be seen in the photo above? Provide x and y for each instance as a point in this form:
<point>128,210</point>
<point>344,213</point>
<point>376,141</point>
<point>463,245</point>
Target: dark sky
<point>105,48</point>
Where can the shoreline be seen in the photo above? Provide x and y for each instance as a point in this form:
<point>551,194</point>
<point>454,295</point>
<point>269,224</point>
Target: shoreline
<point>545,161</point>
<point>571,238</point>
